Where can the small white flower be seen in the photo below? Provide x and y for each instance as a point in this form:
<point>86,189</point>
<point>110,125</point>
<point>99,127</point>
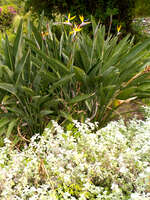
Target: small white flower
<point>123,170</point>
<point>114,186</point>
<point>7,141</point>
<point>66,178</point>
<point>121,159</point>
<point>66,195</point>
<point>147,170</point>
<point>135,196</point>
<point>142,175</point>
<point>82,196</point>
<point>61,169</point>
<point>87,186</point>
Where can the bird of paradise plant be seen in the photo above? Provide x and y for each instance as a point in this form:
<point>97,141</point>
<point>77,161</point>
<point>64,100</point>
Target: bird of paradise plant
<point>90,77</point>
<point>69,18</point>
<point>76,28</point>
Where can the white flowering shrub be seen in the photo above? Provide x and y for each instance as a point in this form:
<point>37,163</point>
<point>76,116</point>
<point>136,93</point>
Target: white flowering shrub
<point>80,162</point>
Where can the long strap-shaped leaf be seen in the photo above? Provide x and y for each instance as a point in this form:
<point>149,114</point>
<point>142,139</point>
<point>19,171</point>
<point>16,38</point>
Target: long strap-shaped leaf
<point>5,69</point>
<point>61,81</point>
<point>17,43</point>
<point>9,88</point>
<point>8,54</point>
<point>79,98</point>
<point>19,67</point>
<point>51,61</point>
<point>134,52</point>
<point>37,35</point>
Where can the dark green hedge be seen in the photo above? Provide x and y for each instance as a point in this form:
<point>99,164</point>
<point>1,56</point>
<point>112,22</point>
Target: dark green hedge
<point>101,9</point>
<point>142,8</point>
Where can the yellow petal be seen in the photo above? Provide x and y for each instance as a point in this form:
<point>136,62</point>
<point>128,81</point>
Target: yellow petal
<point>117,102</point>
<point>81,18</point>
<point>69,16</point>
<point>71,32</point>
<point>67,21</point>
<point>44,34</point>
<point>72,17</point>
<point>78,29</point>
<point>118,28</point>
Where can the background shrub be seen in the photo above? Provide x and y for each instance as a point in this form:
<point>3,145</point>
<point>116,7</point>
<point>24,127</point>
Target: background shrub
<point>100,9</point>
<point>142,8</point>
<point>7,14</point>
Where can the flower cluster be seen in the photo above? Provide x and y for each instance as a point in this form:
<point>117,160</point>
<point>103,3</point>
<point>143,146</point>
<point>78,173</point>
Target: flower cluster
<point>75,27</point>
<point>11,9</point>
<point>79,162</point>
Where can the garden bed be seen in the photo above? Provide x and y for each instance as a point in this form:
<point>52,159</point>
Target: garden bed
<point>80,162</point>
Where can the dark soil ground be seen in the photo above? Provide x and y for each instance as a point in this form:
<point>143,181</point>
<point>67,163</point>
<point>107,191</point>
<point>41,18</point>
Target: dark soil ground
<point>131,110</point>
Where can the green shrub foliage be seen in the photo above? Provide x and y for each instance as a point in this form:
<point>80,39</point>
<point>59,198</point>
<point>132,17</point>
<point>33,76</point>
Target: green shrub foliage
<point>73,77</point>
<point>142,8</point>
<point>6,17</point>
<point>100,9</point>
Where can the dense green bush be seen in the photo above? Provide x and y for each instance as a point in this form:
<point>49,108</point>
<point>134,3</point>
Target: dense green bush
<point>80,162</point>
<point>99,69</point>
<point>24,107</point>
<point>100,9</point>
<point>43,77</point>
<point>142,8</point>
